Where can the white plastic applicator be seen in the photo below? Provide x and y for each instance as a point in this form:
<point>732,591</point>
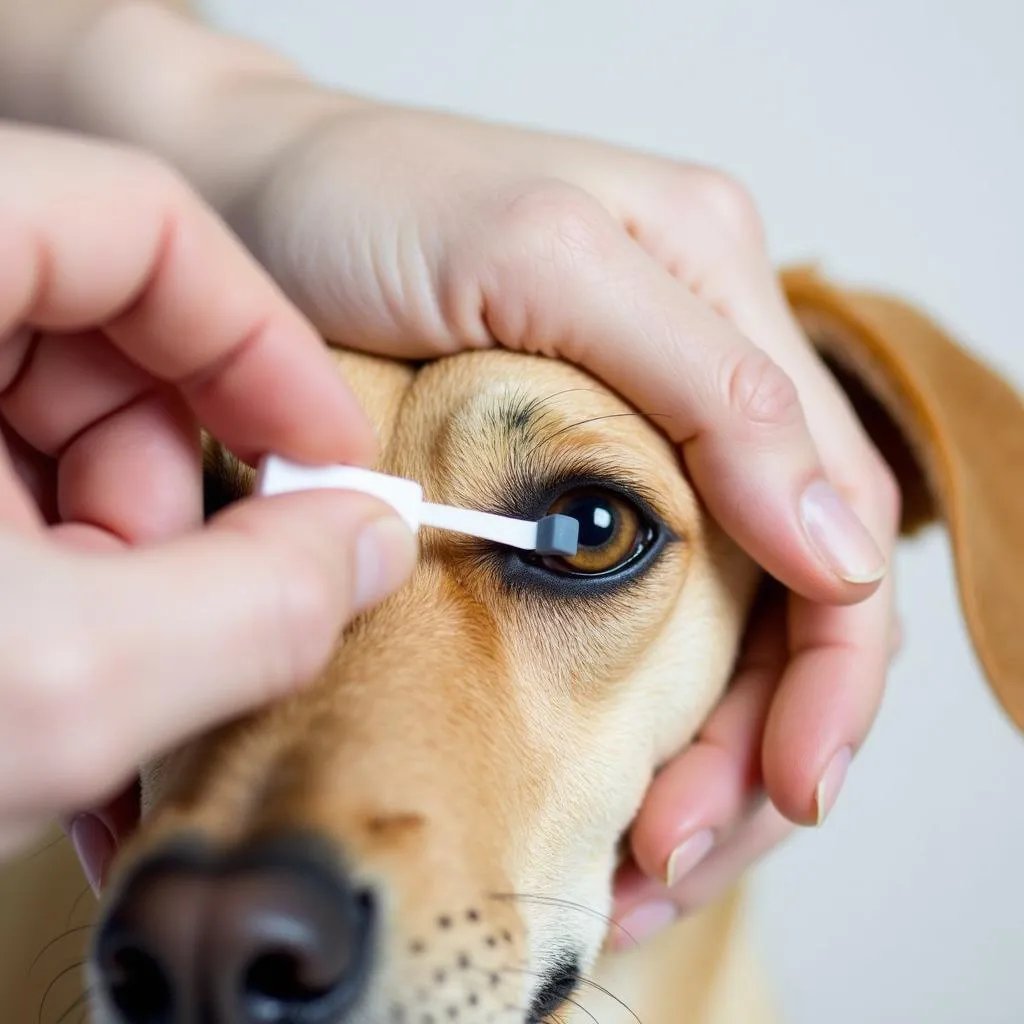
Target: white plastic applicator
<point>552,535</point>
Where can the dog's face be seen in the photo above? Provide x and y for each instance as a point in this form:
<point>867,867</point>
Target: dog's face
<point>429,833</point>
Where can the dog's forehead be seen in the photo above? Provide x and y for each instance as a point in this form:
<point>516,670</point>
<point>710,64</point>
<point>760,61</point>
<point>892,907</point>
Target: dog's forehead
<point>451,418</point>
<point>477,387</point>
<point>380,385</point>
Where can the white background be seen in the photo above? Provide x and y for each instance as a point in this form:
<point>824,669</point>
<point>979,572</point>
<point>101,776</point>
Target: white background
<point>884,138</point>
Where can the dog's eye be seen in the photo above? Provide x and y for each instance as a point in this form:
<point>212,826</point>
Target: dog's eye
<point>613,532</point>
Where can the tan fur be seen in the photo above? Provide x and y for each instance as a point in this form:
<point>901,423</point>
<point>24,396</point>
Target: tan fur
<point>475,749</point>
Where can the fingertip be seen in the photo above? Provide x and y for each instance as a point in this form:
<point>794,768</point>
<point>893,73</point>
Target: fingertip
<point>94,845</point>
<point>777,506</point>
<point>307,411</point>
<point>840,539</point>
<point>794,755</point>
<point>805,732</point>
<point>690,796</point>
<point>386,551</point>
<point>135,474</point>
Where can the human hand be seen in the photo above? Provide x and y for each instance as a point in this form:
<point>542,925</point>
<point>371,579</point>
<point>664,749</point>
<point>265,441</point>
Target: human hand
<point>411,233</point>
<point>416,234</point>
<point>128,316</point>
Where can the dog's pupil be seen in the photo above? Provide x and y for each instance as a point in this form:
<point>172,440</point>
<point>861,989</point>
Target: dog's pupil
<point>597,517</point>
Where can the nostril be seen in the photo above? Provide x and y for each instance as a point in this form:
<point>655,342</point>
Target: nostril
<point>144,949</point>
<point>301,959</point>
<point>138,986</point>
<point>284,978</point>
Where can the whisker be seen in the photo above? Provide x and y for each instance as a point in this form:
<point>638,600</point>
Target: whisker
<point>584,980</point>
<point>43,849</point>
<point>593,419</point>
<point>78,900</point>
<point>611,995</point>
<point>81,1002</point>
<point>53,942</point>
<point>554,901</point>
<point>580,1006</point>
<point>76,966</point>
<point>559,1018</point>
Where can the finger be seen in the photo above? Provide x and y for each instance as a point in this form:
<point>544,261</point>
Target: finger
<point>18,834</point>
<point>173,289</point>
<point>129,457</point>
<point>96,835</point>
<point>91,376</point>
<point>136,474</point>
<point>728,863</point>
<point>706,229</point>
<point>565,280</point>
<point>830,691</point>
<point>17,510</point>
<point>697,801</point>
<point>161,642</point>
<point>644,906</point>
<point>36,474</point>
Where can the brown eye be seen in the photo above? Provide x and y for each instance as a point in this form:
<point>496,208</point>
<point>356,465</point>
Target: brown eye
<point>612,531</point>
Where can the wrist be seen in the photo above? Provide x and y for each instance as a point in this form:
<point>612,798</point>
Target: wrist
<point>220,109</point>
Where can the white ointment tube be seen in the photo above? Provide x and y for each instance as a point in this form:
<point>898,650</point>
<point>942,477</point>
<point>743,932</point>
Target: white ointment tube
<point>552,535</point>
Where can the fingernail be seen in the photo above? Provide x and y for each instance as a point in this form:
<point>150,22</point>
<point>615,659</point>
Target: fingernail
<point>95,847</point>
<point>839,537</point>
<point>644,922</point>
<point>385,556</point>
<point>687,855</point>
<point>830,784</point>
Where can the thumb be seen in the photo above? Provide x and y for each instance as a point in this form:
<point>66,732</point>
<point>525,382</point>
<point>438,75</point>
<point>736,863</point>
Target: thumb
<point>188,634</point>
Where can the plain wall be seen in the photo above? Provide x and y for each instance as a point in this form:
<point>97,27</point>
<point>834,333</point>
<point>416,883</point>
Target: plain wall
<point>885,139</point>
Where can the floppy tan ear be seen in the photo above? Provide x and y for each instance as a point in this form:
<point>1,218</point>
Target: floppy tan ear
<point>953,432</point>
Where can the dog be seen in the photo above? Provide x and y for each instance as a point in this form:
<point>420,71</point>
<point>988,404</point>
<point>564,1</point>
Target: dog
<point>430,831</point>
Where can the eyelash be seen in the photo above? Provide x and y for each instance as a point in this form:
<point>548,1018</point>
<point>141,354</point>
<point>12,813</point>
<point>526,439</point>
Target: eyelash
<point>524,573</point>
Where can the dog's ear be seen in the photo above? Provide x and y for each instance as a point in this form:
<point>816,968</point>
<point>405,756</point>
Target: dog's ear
<point>952,430</point>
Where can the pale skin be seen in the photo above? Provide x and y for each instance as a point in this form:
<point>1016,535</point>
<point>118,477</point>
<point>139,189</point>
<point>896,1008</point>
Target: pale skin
<point>410,233</point>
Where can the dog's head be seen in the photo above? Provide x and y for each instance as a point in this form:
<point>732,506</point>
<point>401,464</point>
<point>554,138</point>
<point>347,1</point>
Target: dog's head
<point>429,832</point>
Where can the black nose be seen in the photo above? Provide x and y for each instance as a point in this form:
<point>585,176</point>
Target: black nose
<point>273,934</point>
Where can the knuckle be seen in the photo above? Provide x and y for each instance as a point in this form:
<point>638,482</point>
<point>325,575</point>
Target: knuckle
<point>556,222</point>
<point>728,204</point>
<point>760,393</point>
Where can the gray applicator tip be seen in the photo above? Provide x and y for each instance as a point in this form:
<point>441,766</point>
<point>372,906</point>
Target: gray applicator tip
<point>558,535</point>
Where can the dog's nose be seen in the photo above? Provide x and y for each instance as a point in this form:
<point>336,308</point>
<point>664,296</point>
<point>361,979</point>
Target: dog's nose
<point>274,935</point>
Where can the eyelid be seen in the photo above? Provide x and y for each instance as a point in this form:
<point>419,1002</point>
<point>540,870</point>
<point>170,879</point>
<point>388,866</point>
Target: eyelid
<point>529,578</point>
<point>532,498</point>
